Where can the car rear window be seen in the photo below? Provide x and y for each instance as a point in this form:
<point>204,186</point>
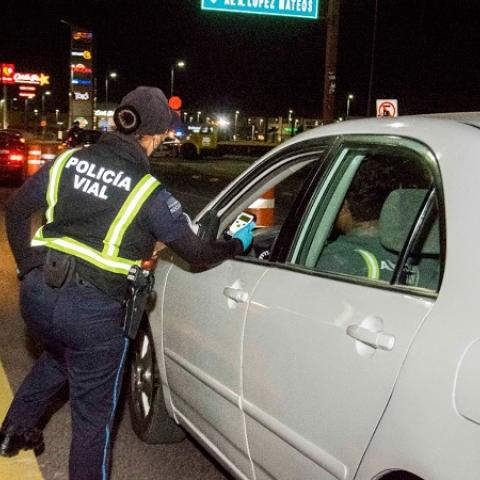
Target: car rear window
<point>6,141</point>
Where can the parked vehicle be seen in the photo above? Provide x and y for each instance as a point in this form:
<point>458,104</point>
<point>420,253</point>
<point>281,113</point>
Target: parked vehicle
<point>202,140</point>
<point>293,362</point>
<point>13,161</point>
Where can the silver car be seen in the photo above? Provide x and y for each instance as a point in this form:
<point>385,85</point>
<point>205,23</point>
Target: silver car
<point>346,343</point>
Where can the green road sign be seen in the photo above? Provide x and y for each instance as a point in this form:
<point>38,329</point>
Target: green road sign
<point>285,8</point>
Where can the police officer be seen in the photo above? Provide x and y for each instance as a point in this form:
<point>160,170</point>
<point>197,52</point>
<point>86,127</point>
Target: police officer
<point>103,213</point>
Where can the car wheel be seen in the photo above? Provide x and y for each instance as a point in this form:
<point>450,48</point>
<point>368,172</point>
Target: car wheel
<point>149,417</point>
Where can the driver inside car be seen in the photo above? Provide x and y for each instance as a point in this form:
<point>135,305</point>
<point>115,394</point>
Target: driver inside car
<point>358,251</point>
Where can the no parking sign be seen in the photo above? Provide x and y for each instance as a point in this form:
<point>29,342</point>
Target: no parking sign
<point>387,108</point>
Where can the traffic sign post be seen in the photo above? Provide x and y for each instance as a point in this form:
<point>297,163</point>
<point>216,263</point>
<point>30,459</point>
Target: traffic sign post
<point>7,71</point>
<point>387,108</point>
<point>284,8</point>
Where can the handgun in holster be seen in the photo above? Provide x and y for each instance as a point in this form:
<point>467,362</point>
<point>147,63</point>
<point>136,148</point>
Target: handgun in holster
<point>140,286</point>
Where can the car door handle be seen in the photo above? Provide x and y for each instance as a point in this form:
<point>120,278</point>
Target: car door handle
<point>235,294</point>
<point>377,340</point>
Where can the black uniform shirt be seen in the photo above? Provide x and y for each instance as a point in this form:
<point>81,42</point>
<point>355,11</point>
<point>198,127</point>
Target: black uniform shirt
<point>162,217</point>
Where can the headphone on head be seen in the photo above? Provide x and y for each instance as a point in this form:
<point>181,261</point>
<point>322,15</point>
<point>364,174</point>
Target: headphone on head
<point>127,119</point>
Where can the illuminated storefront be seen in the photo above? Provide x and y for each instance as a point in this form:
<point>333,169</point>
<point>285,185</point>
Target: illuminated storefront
<point>81,77</point>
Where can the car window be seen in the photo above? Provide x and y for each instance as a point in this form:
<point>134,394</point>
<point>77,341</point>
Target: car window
<point>270,190</point>
<point>10,141</point>
<point>274,205</point>
<point>361,221</point>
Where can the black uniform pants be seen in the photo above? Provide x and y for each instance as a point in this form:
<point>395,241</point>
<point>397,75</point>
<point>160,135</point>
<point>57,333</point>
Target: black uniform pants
<point>80,328</point>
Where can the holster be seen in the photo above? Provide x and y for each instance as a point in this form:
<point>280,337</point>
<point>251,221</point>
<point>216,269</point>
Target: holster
<point>58,268</point>
<point>140,286</point>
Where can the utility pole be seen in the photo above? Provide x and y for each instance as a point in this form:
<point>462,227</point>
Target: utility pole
<point>5,107</point>
<point>331,47</point>
<point>372,59</point>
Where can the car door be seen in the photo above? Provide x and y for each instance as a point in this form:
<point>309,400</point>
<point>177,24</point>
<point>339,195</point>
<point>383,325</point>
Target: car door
<point>204,319</point>
<point>324,344</point>
<point>204,316</point>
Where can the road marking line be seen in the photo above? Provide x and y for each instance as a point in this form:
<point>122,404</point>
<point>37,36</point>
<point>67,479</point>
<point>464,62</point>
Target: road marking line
<point>23,466</point>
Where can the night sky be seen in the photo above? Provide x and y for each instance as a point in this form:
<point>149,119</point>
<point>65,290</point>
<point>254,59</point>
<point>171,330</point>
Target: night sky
<point>427,53</point>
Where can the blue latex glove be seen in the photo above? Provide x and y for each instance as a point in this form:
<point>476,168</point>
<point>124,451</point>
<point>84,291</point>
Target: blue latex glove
<point>245,235</point>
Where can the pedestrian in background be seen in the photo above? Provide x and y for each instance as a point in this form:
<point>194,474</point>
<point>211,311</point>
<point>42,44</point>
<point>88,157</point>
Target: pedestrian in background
<point>76,135</point>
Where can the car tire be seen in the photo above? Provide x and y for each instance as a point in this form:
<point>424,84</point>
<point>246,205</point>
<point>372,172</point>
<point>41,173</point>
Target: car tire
<point>149,417</point>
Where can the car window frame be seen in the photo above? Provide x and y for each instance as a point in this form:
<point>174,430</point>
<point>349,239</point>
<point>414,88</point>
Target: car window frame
<point>417,227</point>
<point>258,175</point>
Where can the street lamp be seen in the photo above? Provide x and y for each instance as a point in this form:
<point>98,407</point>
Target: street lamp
<point>350,97</point>
<point>43,122</point>
<point>179,64</point>
<point>198,116</point>
<point>235,125</point>
<point>113,76</point>
<point>43,102</point>
<point>290,118</point>
<point>57,126</point>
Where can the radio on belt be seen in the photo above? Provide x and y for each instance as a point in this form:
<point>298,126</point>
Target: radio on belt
<point>241,221</point>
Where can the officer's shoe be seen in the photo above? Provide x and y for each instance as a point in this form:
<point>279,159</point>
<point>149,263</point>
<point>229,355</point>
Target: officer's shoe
<point>11,441</point>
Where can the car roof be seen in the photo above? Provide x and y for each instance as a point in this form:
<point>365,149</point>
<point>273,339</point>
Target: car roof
<point>434,130</point>
<point>469,118</point>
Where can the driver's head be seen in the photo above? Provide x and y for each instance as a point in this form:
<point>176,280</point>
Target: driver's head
<point>144,113</point>
<point>374,180</point>
<point>370,187</point>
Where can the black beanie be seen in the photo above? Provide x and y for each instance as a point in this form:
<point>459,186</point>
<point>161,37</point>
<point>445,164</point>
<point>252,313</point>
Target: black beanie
<point>152,107</point>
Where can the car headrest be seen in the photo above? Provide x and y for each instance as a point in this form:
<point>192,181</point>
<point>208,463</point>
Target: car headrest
<point>398,214</point>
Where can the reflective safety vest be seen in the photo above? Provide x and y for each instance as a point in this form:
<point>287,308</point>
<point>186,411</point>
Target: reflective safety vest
<point>373,268</point>
<point>108,258</point>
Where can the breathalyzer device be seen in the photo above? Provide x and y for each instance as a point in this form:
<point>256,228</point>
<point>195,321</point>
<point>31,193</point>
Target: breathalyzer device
<point>241,221</point>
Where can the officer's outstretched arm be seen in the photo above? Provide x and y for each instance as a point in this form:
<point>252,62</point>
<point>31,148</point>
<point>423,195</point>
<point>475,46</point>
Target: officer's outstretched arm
<point>200,252</point>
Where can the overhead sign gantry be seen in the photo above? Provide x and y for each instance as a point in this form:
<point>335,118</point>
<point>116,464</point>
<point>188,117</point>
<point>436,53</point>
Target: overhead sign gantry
<point>285,8</point>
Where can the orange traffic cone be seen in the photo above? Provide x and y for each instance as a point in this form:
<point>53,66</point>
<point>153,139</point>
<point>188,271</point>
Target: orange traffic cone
<point>34,159</point>
<point>49,152</point>
<point>264,209</point>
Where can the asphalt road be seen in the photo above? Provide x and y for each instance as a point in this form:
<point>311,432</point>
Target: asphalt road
<point>193,184</point>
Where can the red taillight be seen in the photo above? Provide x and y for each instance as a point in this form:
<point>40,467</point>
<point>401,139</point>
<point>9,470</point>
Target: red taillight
<point>16,157</point>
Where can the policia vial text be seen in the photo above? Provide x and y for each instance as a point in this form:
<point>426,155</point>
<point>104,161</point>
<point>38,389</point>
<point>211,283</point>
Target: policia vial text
<point>94,180</point>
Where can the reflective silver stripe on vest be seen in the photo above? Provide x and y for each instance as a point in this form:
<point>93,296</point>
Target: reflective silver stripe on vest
<point>55,172</point>
<point>127,213</point>
<point>78,249</point>
<point>372,264</point>
<point>107,259</point>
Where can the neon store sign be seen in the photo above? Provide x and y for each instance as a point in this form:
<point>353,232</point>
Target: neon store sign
<point>31,78</point>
